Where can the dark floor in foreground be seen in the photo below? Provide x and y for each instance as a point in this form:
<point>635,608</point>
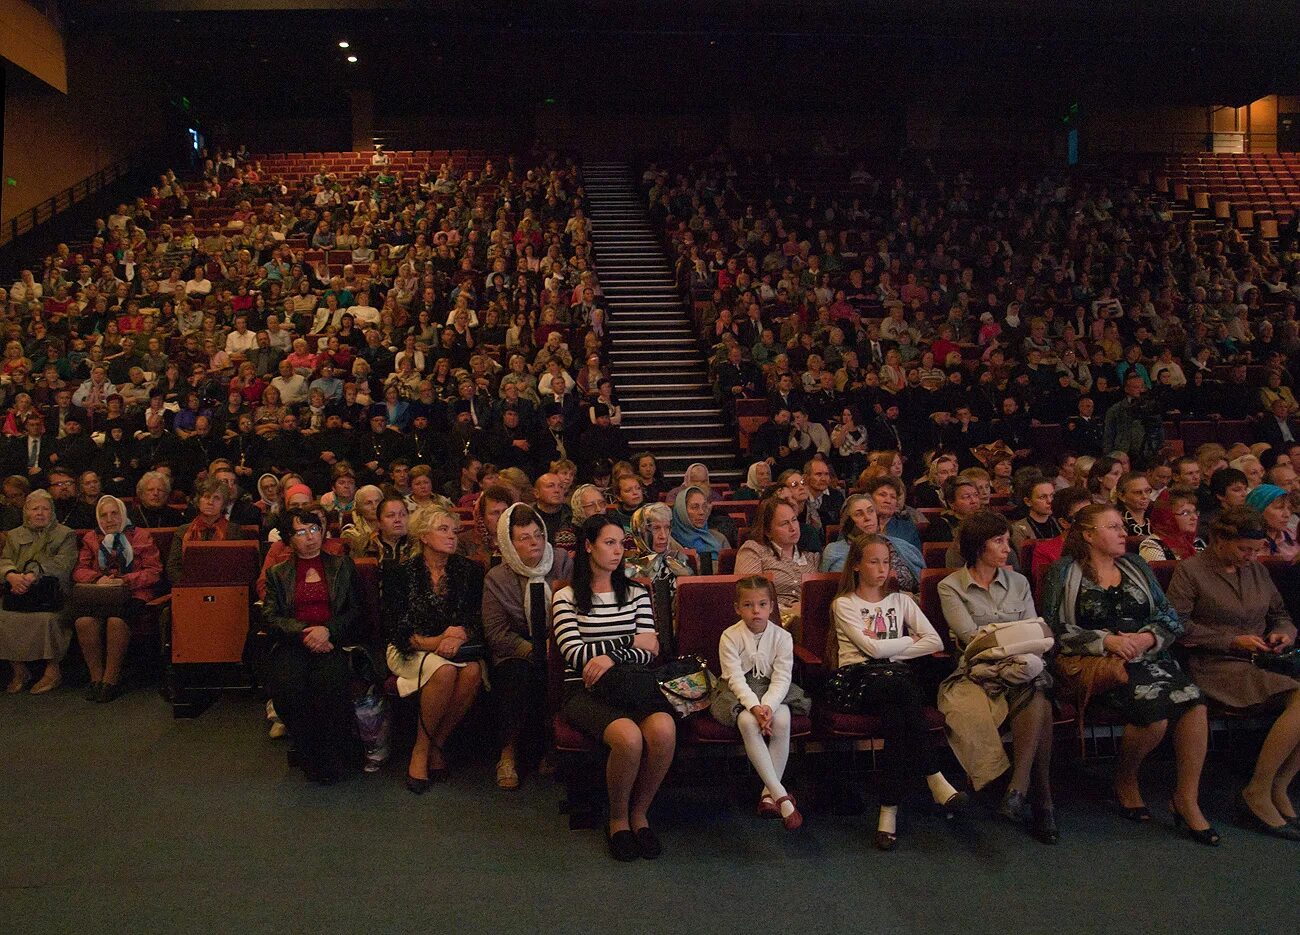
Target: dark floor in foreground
<point>117,818</point>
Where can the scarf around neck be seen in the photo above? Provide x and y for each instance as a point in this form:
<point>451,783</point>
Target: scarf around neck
<point>532,578</point>
<point>115,551</point>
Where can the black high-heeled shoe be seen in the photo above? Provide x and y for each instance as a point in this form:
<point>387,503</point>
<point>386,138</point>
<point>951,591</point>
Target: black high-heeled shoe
<point>1207,836</point>
<point>1043,825</point>
<point>1246,818</point>
<point>416,786</point>
<point>1139,814</point>
<point>1014,807</point>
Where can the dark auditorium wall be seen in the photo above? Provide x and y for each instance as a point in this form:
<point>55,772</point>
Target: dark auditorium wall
<point>53,141</point>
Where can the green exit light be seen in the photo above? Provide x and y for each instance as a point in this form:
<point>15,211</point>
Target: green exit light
<point>550,100</point>
<point>11,182</point>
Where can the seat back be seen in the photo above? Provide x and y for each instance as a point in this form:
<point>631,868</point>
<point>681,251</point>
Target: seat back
<point>371,623</point>
<point>1286,576</point>
<point>727,562</point>
<point>816,592</point>
<point>1027,556</point>
<point>162,537</point>
<point>706,605</point>
<point>221,562</point>
<point>930,578</point>
<point>935,553</point>
<point>1164,572</point>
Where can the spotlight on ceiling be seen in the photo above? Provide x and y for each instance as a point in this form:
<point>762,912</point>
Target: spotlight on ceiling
<point>343,44</point>
<point>352,59</point>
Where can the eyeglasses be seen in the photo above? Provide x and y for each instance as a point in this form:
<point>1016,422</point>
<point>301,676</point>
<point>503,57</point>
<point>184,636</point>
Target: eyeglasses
<point>1188,512</point>
<point>794,482</point>
<point>312,530</point>
<point>61,483</point>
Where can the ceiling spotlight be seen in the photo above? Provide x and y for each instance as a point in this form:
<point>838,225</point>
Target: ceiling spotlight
<point>352,59</point>
<point>343,44</point>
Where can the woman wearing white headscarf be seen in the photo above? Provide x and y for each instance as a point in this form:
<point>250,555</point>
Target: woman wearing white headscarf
<point>758,479</point>
<point>516,622</point>
<point>697,475</point>
<point>124,557</point>
<point>31,624</point>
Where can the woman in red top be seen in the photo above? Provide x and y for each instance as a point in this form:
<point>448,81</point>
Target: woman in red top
<point>311,608</point>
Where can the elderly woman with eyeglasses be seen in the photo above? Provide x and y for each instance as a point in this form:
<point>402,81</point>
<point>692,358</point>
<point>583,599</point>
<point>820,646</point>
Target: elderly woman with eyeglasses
<point>311,609</point>
<point>516,622</point>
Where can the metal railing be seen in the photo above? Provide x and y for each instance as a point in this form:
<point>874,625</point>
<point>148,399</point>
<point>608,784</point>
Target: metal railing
<point>27,221</point>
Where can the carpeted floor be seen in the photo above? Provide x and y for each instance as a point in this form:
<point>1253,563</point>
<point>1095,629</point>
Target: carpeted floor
<point>118,819</point>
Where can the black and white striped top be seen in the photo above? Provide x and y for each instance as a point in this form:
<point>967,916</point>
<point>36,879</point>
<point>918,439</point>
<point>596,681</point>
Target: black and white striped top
<point>608,630</point>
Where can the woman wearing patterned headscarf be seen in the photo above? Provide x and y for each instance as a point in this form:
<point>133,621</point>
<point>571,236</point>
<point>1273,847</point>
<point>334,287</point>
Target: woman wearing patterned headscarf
<point>117,555</point>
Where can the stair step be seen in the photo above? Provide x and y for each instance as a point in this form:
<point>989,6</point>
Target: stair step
<point>677,385</point>
<point>695,416</point>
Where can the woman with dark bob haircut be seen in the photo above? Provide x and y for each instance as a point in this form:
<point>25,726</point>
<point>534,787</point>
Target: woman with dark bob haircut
<point>983,591</point>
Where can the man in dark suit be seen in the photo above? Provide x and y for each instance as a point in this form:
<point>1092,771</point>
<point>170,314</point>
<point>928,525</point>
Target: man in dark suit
<point>785,396</point>
<point>264,358</point>
<point>551,442</point>
<point>1277,427</point>
<point>28,455</point>
<point>874,348</point>
<point>57,414</point>
<point>1083,431</point>
<point>75,449</point>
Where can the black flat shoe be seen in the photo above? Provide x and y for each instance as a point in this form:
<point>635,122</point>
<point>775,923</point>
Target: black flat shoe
<point>416,786</point>
<point>648,843</point>
<point>886,841</point>
<point>1043,824</point>
<point>1014,807</point>
<point>956,802</point>
<point>1246,818</point>
<point>623,845</point>
<point>1141,813</point>
<point>109,691</point>
<point>92,691</point>
<point>1207,836</point>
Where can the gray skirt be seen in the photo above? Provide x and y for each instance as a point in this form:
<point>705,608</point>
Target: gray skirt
<point>726,707</point>
<point>30,636</point>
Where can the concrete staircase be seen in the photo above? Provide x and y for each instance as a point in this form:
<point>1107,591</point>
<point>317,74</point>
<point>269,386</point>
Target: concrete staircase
<point>660,375</point>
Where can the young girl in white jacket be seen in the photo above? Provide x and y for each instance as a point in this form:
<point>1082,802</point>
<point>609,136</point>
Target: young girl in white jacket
<point>879,639</point>
<point>757,694</point>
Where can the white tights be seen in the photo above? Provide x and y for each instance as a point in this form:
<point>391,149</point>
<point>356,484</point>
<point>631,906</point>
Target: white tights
<point>768,754</point>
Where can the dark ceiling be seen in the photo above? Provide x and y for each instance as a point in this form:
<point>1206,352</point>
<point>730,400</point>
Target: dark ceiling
<point>801,54</point>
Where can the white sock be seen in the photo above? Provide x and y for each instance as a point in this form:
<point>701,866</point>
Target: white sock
<point>888,822</point>
<point>940,788</point>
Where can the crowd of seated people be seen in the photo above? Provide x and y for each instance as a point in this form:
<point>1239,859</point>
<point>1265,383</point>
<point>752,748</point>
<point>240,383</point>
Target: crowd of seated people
<point>470,449</point>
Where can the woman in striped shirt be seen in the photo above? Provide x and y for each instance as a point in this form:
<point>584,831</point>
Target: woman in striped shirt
<point>605,630</point>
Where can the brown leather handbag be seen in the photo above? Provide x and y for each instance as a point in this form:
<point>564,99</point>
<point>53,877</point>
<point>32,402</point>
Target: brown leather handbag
<point>1083,677</point>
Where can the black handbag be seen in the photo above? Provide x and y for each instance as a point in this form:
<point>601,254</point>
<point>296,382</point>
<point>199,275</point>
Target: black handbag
<point>42,597</point>
<point>1287,663</point>
<point>847,688</point>
<point>470,651</point>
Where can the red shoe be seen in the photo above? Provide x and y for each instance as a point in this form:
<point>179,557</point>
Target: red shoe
<point>793,821</point>
<point>768,808</point>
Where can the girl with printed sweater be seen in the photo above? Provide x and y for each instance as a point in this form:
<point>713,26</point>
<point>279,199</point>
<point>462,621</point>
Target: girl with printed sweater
<point>881,642</point>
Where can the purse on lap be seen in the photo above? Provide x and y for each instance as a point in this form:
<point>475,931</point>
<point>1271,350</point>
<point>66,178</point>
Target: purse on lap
<point>42,597</point>
<point>99,600</point>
